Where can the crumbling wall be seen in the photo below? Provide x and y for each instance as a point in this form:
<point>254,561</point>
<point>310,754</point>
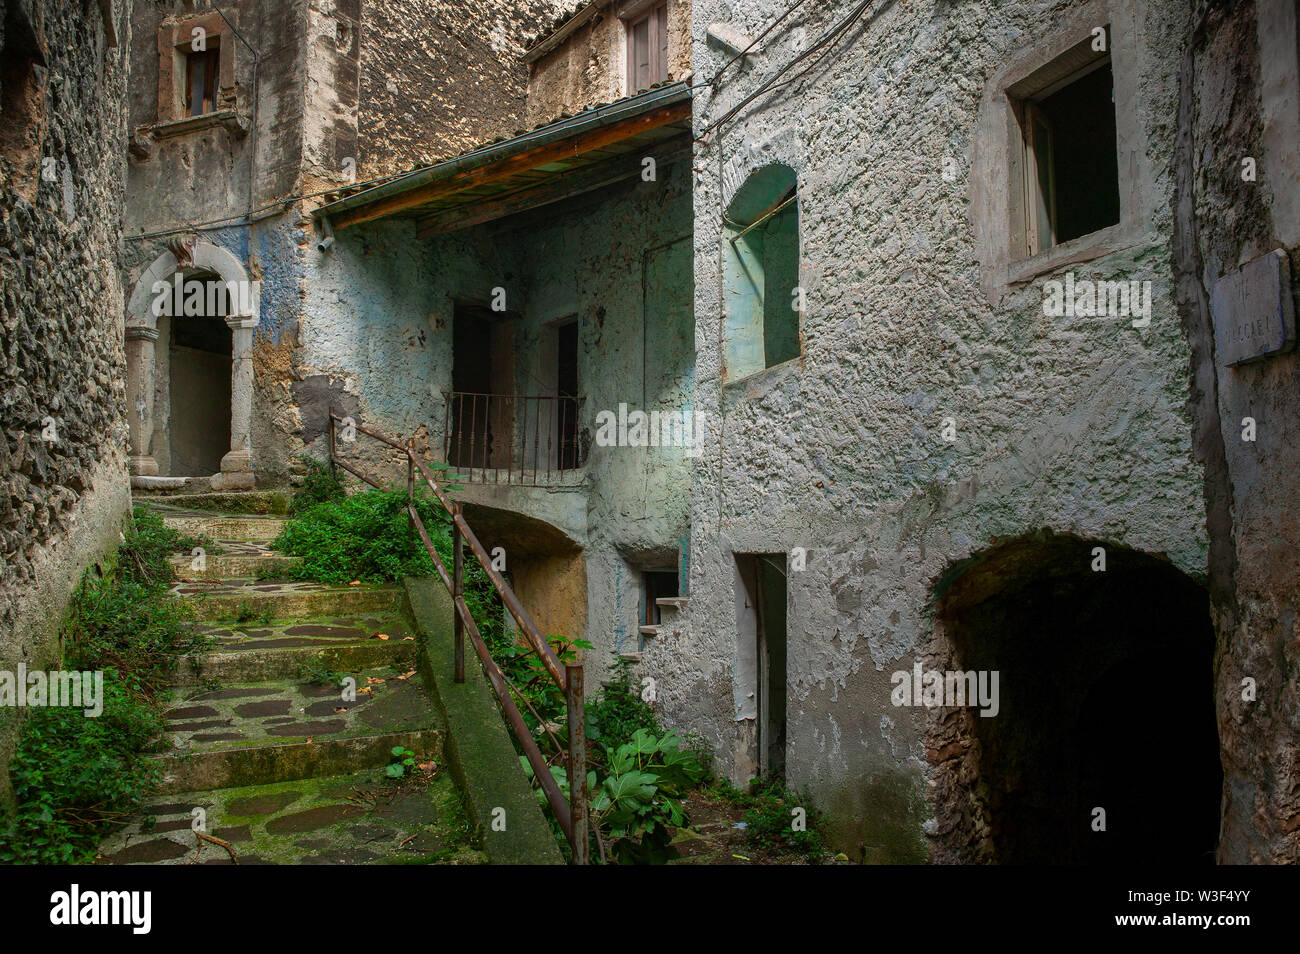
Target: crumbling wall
<point>62,405</point>
<point>1076,425</point>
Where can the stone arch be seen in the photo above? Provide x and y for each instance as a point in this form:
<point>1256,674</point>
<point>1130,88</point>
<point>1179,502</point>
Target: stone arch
<point>1105,700</point>
<point>190,255</point>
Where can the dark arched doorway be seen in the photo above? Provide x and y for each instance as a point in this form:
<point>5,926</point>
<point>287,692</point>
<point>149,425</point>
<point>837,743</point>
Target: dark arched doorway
<point>1106,702</point>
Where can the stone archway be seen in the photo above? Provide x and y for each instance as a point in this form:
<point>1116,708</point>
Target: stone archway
<point>1106,701</point>
<point>242,316</point>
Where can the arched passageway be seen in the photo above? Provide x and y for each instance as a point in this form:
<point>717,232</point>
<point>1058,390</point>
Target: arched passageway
<point>1106,703</point>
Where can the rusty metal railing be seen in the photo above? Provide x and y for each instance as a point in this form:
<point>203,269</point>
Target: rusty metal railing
<point>572,814</point>
<point>527,439</point>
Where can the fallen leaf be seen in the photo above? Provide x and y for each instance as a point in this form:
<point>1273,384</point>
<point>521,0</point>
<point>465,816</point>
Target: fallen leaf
<point>340,709</point>
<point>365,690</point>
<point>407,675</point>
<point>427,766</point>
<point>355,583</point>
<point>372,681</point>
<point>379,636</point>
<point>309,741</point>
<point>405,638</point>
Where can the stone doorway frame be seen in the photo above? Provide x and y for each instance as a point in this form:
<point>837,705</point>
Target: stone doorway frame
<point>142,334</point>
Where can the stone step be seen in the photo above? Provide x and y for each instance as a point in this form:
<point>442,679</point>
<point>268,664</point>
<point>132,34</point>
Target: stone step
<point>263,732</point>
<point>170,499</point>
<point>226,565</point>
<point>289,649</point>
<point>249,600</point>
<point>225,526</point>
<point>357,818</point>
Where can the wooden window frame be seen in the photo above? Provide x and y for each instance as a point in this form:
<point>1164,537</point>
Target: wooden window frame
<point>656,19</point>
<point>211,58</point>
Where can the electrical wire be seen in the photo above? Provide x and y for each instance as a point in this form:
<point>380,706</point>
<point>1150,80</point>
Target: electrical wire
<point>822,44</point>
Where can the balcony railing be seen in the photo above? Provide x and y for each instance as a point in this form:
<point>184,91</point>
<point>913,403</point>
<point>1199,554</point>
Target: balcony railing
<point>525,439</point>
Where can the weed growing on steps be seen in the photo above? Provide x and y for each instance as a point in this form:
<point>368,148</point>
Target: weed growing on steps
<point>320,485</point>
<point>75,777</point>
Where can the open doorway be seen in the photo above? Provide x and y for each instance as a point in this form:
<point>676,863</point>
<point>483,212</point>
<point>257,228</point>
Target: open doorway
<point>1104,747</point>
<point>481,412</point>
<point>761,628</point>
<point>198,374</point>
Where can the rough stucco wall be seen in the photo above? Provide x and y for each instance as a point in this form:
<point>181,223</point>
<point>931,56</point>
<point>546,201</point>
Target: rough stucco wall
<point>1077,425</point>
<point>590,67</point>
<point>61,343</point>
<point>439,76</point>
<point>1222,222</point>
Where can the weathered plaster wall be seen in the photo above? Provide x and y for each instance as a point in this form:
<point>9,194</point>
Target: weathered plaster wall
<point>61,353</point>
<point>1239,99</point>
<point>440,76</point>
<point>590,67</point>
<point>377,341</point>
<point>1078,425</point>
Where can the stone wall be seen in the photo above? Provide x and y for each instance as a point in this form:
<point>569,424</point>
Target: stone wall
<point>441,76</point>
<point>1077,425</point>
<point>62,406</point>
<point>1238,100</point>
<point>590,66</point>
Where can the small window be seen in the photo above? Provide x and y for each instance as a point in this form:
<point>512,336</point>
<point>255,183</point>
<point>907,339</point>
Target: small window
<point>1071,169</point>
<point>201,81</point>
<point>657,585</point>
<point>761,254</point>
<point>647,49</point>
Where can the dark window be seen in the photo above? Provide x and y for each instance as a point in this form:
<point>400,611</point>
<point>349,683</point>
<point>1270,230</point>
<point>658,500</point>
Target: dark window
<point>659,584</point>
<point>1071,167</point>
<point>22,101</point>
<point>201,82</point>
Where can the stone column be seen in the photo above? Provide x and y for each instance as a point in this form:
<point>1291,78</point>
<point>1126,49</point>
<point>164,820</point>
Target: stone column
<point>237,465</point>
<point>139,397</point>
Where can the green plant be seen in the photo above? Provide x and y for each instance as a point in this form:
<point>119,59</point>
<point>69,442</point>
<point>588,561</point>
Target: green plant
<point>320,485</point>
<point>636,806</point>
<point>247,611</point>
<point>124,621</point>
<point>618,711</point>
<point>777,818</point>
<point>74,777</point>
<point>319,673</point>
<point>401,762</point>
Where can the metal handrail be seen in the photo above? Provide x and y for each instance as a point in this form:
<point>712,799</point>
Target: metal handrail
<point>571,814</point>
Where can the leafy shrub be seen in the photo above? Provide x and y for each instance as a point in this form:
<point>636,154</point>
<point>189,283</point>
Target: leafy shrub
<point>74,776</point>
<point>770,813</point>
<point>320,485</point>
<point>617,712</point>
<point>362,537</point>
<point>638,803</point>
<point>124,621</point>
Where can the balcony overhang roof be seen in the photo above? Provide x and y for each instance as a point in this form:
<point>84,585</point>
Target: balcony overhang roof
<point>573,155</point>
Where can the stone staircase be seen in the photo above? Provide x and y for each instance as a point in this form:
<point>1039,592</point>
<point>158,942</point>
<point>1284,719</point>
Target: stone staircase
<point>268,750</point>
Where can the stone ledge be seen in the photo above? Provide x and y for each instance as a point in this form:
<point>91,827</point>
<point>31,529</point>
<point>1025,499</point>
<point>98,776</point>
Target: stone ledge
<point>478,746</point>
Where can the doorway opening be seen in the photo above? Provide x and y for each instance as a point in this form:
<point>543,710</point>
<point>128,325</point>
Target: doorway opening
<point>1104,748</point>
<point>199,356</point>
<point>566,389</point>
<point>761,626</point>
<point>481,412</point>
